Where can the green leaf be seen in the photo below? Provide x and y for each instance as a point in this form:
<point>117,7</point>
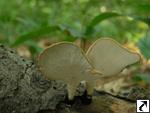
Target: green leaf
<point>33,47</point>
<point>137,78</point>
<point>146,20</point>
<point>99,18</point>
<point>142,77</point>
<point>35,34</point>
<point>73,32</point>
<point>144,46</point>
<point>146,78</point>
<point>144,7</point>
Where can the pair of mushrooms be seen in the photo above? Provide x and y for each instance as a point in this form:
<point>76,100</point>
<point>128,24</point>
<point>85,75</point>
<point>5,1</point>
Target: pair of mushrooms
<point>66,61</point>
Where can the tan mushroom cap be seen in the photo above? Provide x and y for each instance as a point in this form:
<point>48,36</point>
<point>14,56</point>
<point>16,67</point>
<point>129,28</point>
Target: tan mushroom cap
<point>65,61</point>
<point>109,57</point>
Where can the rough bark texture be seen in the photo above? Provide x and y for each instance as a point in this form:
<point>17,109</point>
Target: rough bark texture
<point>24,90</point>
<point>105,103</point>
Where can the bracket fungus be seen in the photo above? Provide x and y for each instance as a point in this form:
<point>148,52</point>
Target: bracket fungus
<point>66,61</point>
<point>109,57</point>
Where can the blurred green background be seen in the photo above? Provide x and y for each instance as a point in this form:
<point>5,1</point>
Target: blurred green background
<point>19,17</point>
<point>31,25</point>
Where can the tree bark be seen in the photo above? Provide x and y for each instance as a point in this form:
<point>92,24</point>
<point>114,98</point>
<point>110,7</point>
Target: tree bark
<point>23,89</point>
<point>22,86</point>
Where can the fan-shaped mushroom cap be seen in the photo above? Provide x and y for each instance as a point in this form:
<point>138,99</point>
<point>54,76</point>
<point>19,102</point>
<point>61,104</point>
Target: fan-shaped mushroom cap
<point>65,61</point>
<point>110,57</point>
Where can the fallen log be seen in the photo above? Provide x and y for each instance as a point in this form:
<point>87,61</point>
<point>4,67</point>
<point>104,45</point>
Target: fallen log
<point>22,86</point>
<point>23,89</point>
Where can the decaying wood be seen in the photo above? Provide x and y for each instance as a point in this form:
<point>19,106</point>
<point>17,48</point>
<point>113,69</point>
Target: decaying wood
<point>24,90</point>
<point>105,103</point>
